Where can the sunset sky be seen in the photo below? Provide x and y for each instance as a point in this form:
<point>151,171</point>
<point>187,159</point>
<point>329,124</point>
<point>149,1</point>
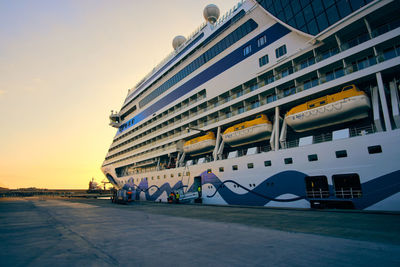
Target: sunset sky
<point>64,65</point>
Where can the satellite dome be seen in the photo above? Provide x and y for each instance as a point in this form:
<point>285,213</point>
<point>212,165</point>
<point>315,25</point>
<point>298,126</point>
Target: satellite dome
<point>178,41</point>
<point>211,13</point>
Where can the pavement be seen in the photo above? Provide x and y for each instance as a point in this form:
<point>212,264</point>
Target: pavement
<point>71,232</point>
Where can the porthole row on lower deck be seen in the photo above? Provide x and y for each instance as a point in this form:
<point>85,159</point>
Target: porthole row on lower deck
<point>125,171</point>
<point>376,149</point>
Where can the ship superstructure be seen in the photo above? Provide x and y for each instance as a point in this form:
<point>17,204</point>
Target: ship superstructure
<point>275,103</point>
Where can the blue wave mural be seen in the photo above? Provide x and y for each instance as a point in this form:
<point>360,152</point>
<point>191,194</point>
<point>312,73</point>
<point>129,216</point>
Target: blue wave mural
<point>286,182</point>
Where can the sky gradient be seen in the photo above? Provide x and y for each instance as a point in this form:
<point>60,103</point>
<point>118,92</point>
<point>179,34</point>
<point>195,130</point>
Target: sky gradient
<point>64,65</point>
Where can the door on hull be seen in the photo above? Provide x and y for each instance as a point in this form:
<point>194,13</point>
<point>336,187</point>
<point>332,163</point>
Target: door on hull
<point>347,185</point>
<point>198,188</point>
<point>317,187</point>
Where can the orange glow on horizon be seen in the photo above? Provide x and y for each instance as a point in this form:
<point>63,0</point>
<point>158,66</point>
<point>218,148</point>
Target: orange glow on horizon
<point>64,66</point>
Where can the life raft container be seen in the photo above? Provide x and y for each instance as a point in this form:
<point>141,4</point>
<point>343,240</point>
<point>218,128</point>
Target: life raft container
<point>348,105</point>
<point>248,132</point>
<point>200,145</point>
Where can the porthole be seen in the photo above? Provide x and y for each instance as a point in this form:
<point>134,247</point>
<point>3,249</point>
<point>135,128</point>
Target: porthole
<point>341,154</point>
<point>313,157</point>
<point>267,163</point>
<point>374,149</point>
<point>288,160</point>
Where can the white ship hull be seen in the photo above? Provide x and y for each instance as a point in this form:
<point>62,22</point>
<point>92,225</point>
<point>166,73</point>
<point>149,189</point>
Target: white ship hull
<point>283,185</point>
<point>249,63</point>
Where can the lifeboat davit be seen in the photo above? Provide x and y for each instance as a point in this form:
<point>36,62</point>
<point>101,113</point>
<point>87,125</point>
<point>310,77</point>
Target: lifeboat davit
<point>348,105</point>
<point>248,132</point>
<point>200,145</point>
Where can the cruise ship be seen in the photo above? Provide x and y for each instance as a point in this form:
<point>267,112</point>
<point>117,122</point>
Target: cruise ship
<point>275,103</point>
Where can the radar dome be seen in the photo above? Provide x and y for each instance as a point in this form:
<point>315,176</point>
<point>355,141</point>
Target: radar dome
<point>211,13</point>
<point>178,41</point>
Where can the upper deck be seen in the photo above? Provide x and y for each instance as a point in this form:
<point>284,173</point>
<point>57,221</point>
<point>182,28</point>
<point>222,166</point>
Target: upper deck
<point>203,35</point>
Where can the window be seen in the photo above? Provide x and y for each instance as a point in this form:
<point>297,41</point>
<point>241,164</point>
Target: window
<point>271,98</point>
<point>263,60</point>
<point>246,50</point>
<point>280,51</point>
<point>286,71</point>
<point>267,163</point>
<point>313,157</point>
<point>374,149</point>
<point>255,104</point>
<point>288,160</point>
<point>310,83</point>
<point>250,165</point>
<point>235,167</point>
<point>347,185</point>
<point>221,169</point>
<point>262,41</point>
<point>289,91</point>
<point>341,154</point>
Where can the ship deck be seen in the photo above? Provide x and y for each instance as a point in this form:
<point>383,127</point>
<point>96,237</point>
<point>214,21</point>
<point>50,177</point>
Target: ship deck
<point>48,231</point>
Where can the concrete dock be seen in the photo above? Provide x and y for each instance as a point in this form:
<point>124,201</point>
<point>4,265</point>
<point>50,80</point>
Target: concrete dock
<point>80,232</point>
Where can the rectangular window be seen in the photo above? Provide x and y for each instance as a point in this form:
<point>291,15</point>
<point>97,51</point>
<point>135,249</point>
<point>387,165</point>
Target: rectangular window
<point>250,165</point>
<point>246,50</point>
<point>374,149</point>
<point>280,51</point>
<point>271,98</point>
<point>264,60</point>
<point>262,41</point>
<point>221,169</point>
<point>341,154</point>
<point>288,161</point>
<point>235,167</point>
<point>255,104</point>
<point>289,91</point>
<point>313,157</point>
<point>267,163</point>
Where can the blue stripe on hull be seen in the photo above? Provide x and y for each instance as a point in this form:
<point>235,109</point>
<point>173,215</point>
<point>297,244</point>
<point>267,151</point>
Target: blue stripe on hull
<point>287,182</point>
<point>274,33</point>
